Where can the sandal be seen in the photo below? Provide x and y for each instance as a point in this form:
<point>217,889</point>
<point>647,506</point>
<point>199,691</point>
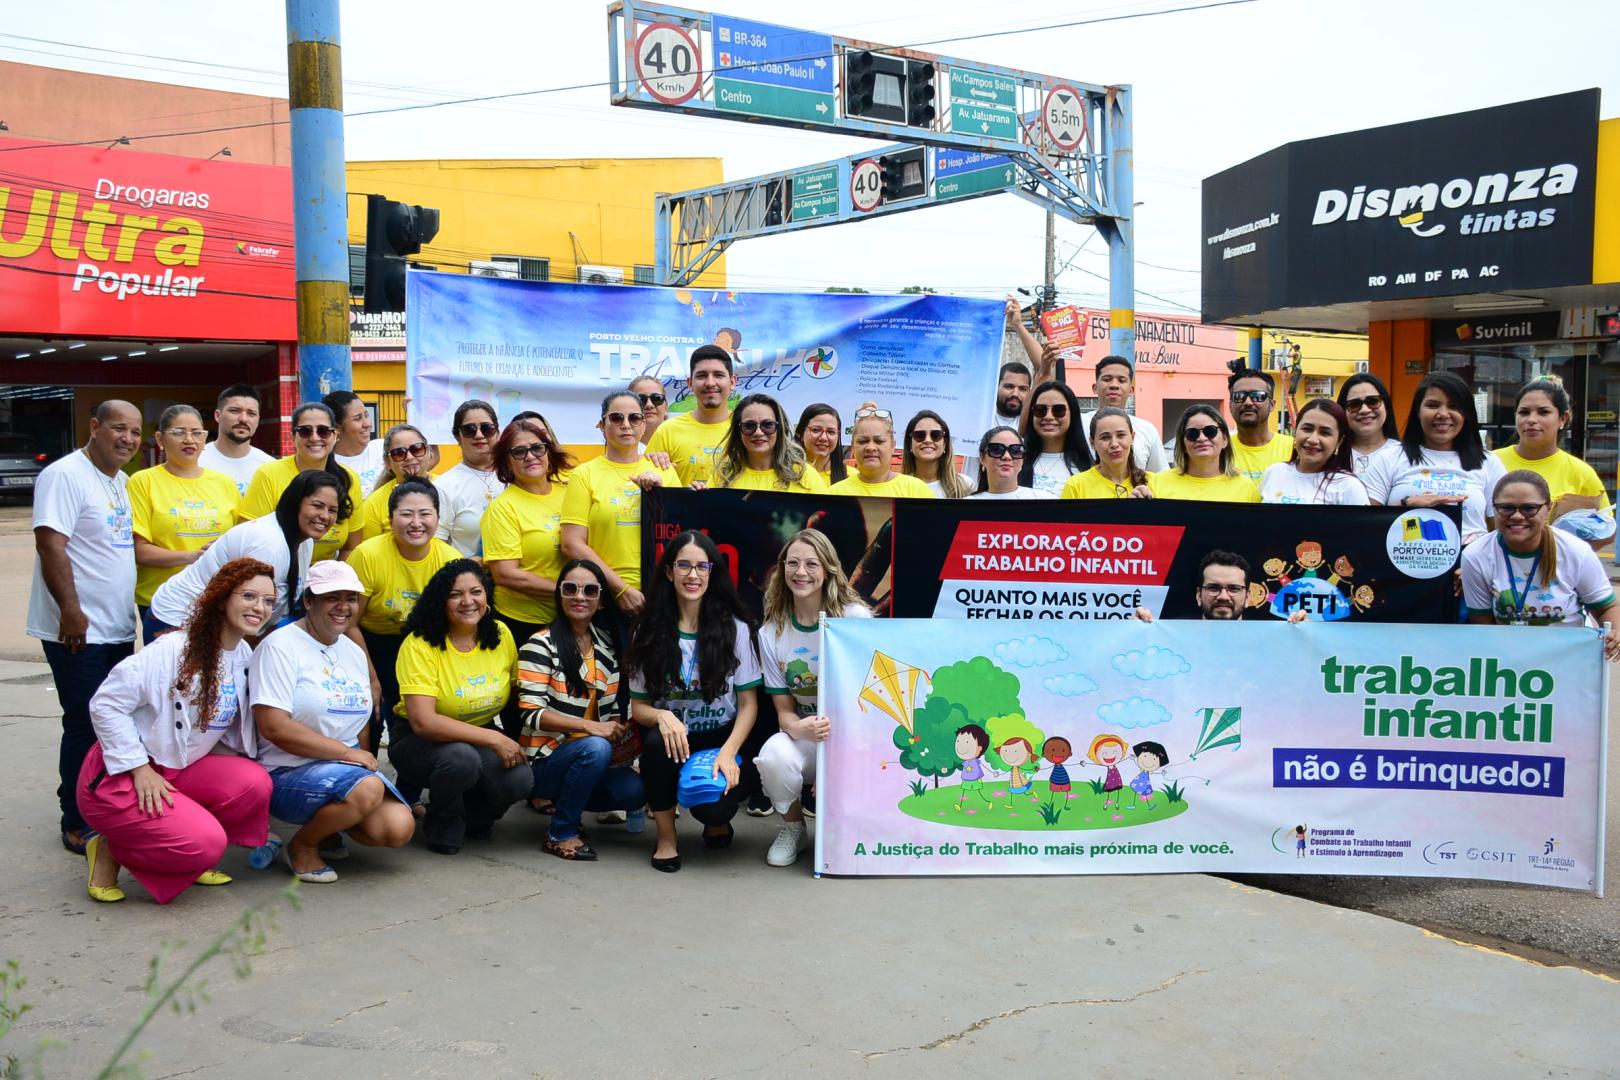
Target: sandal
<point>719,840</point>
<point>105,894</point>
<point>580,852</point>
<point>542,806</point>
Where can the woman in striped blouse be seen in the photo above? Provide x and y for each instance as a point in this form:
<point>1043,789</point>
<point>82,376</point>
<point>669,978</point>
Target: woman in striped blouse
<point>576,724</point>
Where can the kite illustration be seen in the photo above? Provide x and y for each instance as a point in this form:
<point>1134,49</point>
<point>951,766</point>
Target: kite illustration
<point>1220,729</point>
<point>892,687</point>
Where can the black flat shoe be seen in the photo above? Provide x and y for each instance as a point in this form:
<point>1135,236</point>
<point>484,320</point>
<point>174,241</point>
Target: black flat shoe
<point>444,849</point>
<point>666,866</point>
<point>721,840</point>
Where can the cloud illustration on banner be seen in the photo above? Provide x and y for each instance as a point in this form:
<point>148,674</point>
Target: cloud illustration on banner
<point>1031,651</point>
<point>1073,684</point>
<point>1150,663</point>
<point>1133,712</point>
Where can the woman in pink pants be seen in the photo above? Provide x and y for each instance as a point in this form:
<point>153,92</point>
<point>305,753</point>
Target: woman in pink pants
<point>161,803</point>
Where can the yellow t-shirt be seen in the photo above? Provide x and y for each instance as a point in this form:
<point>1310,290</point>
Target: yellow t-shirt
<point>603,496</point>
<point>1171,484</point>
<point>898,486</point>
<point>693,447</point>
<point>1253,461</point>
<point>1092,484</point>
<point>272,478</point>
<point>177,514</point>
<point>527,527</point>
<point>374,513</point>
<point>471,687</point>
<point>1565,474</point>
<point>394,583</point>
<point>810,482</point>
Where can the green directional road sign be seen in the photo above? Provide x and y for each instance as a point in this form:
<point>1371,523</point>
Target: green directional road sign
<point>985,121</point>
<point>977,182</point>
<point>815,194</point>
<point>983,88</point>
<point>781,102</point>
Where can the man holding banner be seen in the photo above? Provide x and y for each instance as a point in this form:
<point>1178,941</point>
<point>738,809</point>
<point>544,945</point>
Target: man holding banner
<point>693,439</point>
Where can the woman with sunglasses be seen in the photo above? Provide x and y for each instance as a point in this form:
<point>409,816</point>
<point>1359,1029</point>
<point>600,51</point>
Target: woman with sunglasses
<point>1116,474</point>
<point>872,440</point>
<point>178,507</point>
<point>1540,417</point>
<point>1370,413</point>
<point>1443,460</point>
<point>406,455</point>
<point>1001,460</point>
<point>928,455</point>
<point>694,684</point>
<point>1318,469</point>
<point>1054,445</point>
<point>1528,573</point>
<point>758,455</point>
<point>314,439</point>
<point>468,487</point>
<point>820,432</point>
<point>1202,470</point>
<point>601,512</point>
<point>654,404</point>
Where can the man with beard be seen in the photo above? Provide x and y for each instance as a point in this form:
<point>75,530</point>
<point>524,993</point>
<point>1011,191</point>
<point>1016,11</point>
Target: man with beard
<point>693,439</point>
<point>233,452</point>
<point>1252,394</point>
<point>1223,589</point>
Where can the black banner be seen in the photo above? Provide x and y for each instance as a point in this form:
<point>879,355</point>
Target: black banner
<point>925,558</point>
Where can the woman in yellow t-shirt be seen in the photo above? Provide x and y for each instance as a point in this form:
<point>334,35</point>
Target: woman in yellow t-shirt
<point>1203,470</point>
<point>1116,474</point>
<point>820,432</point>
<point>601,513</point>
<point>178,508</point>
<point>759,455</point>
<point>314,432</point>
<point>1540,416</point>
<point>406,454</point>
<point>872,439</point>
<point>455,674</point>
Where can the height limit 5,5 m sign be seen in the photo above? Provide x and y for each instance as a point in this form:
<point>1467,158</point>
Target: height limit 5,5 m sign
<point>669,63</point>
<point>1063,115</point>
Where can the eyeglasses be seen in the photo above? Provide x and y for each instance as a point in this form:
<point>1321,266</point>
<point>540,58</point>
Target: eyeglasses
<point>807,566</point>
<point>472,431</point>
<point>253,599</point>
<point>1005,450</point>
<point>196,434</point>
<point>1209,431</point>
<point>400,453</point>
<point>881,414</point>
<point>765,427</point>
<point>684,567</point>
<point>1240,396</point>
<point>1224,590</point>
<point>312,431</point>
<point>1058,411</point>
<point>654,400</point>
<point>590,590</point>
<point>624,418</point>
<point>1524,510</point>
<point>534,450</point>
<point>933,435</point>
<point>1373,402</point>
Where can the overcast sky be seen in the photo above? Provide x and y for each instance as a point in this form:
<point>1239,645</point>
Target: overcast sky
<point>1212,88</point>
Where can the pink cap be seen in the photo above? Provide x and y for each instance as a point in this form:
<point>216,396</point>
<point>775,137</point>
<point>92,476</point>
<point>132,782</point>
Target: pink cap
<point>330,575</point>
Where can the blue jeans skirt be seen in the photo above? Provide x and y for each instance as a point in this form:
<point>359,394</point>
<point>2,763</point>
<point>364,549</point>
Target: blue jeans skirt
<point>300,791</point>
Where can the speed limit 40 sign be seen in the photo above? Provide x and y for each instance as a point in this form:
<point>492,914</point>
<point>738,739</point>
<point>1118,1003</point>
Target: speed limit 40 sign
<point>669,64</point>
<point>866,185</point>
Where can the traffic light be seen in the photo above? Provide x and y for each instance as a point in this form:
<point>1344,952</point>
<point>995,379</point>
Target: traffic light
<point>874,86</point>
<point>393,231</point>
<point>903,175</point>
<point>775,202</point>
<point>920,110</point>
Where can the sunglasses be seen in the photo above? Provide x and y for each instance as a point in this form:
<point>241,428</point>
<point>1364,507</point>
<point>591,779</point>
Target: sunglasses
<point>749,427</point>
<point>654,400</point>
<point>1005,450</point>
<point>1058,411</point>
<point>1524,510</point>
<point>935,435</point>
<point>624,418</point>
<point>1357,404</point>
<point>1208,431</point>
<point>472,431</point>
<point>312,431</point>
<point>590,590</point>
<point>400,453</point>
<point>1240,396</point>
<point>534,450</point>
<point>881,414</point>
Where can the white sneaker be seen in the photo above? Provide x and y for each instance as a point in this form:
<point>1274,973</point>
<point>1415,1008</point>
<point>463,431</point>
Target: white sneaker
<point>785,849</point>
<point>612,817</point>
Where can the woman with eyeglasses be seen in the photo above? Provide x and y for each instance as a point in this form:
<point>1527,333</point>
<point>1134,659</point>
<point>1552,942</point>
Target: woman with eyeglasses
<point>468,487</point>
<point>314,439</point>
<point>1540,417</point>
<point>1001,460</point>
<point>649,392</point>
<point>694,685</point>
<point>1318,469</point>
<point>178,507</point>
<point>758,455</point>
<point>1116,474</point>
<point>1370,412</point>
<point>1443,460</point>
<point>929,456</point>
<point>1202,469</point>
<point>577,729</point>
<point>1528,573</point>
<point>601,512</point>
<point>820,432</point>
<point>1054,445</point>
<point>407,455</point>
<point>872,444</point>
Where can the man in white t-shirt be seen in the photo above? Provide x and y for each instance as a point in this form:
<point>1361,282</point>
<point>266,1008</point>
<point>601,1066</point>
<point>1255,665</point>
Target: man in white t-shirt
<point>82,605</point>
<point>355,446</point>
<point>1113,386</point>
<point>232,452</point>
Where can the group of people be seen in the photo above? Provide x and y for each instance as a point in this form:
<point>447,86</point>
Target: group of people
<point>494,624</point>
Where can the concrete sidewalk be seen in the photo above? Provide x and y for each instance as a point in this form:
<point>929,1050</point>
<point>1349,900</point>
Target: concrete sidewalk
<point>503,962</point>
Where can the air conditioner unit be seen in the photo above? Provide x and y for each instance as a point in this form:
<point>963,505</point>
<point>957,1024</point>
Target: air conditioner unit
<point>600,275</point>
<point>1361,367</point>
<point>490,268</point>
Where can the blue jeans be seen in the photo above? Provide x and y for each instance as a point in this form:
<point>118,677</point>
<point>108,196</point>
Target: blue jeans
<point>78,676</point>
<point>576,777</point>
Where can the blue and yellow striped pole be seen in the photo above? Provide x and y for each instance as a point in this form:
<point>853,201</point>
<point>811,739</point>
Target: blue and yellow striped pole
<point>1256,353</point>
<point>320,197</point>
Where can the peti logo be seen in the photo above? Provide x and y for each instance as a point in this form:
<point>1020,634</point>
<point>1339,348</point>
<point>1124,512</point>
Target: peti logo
<point>1411,205</point>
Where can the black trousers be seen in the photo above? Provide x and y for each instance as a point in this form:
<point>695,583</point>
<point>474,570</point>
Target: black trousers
<point>468,787</point>
<point>661,776</point>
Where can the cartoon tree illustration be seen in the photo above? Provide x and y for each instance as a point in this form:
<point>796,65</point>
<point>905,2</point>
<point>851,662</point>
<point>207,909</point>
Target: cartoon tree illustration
<point>929,749</point>
<point>967,692</point>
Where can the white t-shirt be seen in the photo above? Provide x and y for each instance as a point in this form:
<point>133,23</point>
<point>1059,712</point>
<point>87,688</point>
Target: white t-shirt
<point>1491,575</point>
<point>367,464</point>
<point>91,509</point>
<point>1147,445</point>
<point>1019,493</point>
<point>464,494</point>
<point>938,487</point>
<point>790,659</point>
<point>327,688</point>
<point>1284,483</point>
<point>694,712</point>
<point>239,469</point>
<point>1391,478</point>
<point>257,539</point>
<point>1364,461</point>
<point>1051,473</point>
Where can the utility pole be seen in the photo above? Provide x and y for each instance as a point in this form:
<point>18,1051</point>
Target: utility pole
<point>1051,257</point>
<point>320,197</point>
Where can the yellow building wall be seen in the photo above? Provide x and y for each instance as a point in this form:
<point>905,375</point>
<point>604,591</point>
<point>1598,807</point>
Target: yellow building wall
<point>1606,222</point>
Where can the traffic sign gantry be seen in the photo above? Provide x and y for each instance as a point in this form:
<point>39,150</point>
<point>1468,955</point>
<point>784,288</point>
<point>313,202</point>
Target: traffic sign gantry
<point>669,63</point>
<point>866,185</point>
<point>766,70</point>
<point>815,193</point>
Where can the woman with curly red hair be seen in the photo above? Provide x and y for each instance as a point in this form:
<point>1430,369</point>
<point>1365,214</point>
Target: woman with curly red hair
<point>160,802</point>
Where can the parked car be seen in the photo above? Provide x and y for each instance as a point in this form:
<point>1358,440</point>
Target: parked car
<point>20,463</point>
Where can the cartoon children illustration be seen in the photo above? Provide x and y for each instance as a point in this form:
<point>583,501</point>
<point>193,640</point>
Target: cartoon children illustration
<point>1300,832</point>
<point>1057,750</point>
<point>971,743</point>
<point>1017,752</point>
<point>1363,597</point>
<point>1150,758</point>
<point>1108,751</point>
